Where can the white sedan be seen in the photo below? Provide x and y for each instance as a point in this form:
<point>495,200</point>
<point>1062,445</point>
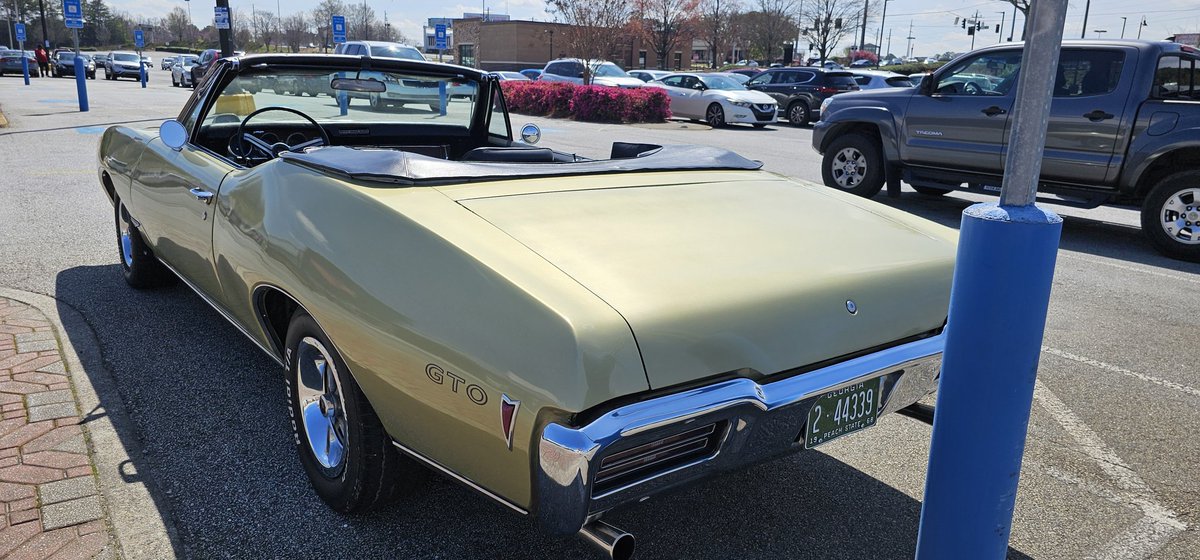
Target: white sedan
<point>181,70</point>
<point>717,99</point>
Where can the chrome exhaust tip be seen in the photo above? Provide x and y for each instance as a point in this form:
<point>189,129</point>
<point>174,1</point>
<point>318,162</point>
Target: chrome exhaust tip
<point>613,542</point>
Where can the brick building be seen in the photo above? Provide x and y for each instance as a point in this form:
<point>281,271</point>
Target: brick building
<point>520,44</point>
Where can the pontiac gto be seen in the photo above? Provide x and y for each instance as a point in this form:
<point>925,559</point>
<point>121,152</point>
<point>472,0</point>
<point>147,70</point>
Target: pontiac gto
<point>563,335</point>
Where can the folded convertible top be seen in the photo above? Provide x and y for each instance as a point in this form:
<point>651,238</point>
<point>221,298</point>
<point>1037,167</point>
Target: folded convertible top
<point>407,168</point>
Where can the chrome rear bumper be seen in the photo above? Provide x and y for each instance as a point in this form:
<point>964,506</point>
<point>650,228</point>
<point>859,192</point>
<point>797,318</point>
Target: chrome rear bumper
<point>756,422</point>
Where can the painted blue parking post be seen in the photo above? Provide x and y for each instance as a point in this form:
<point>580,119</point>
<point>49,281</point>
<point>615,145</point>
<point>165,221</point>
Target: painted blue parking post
<point>20,30</point>
<point>442,98</point>
<point>998,304</point>
<point>139,41</point>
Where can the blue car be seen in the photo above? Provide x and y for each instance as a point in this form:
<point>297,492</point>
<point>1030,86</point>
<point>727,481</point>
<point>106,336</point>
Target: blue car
<point>10,63</point>
<point>532,73</point>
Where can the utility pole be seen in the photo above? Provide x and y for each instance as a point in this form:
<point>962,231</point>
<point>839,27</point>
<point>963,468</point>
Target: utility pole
<point>366,23</point>
<point>225,34</point>
<point>1000,30</point>
<point>1086,8</point>
<point>45,36</point>
<point>862,41</point>
<point>1013,29</point>
<point>889,47</point>
<point>910,39</point>
<point>1140,26</point>
<point>1123,22</point>
<point>882,21</point>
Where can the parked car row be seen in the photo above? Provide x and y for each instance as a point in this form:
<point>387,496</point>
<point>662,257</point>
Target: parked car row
<point>10,62</point>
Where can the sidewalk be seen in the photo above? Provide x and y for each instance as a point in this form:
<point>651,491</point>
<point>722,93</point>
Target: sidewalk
<point>52,507</point>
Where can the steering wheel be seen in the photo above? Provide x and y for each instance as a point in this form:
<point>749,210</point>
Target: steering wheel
<point>971,88</point>
<point>271,151</point>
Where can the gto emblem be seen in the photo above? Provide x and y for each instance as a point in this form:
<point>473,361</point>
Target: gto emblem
<point>474,392</point>
<point>851,307</point>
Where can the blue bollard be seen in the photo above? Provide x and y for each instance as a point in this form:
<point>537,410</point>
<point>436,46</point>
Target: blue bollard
<point>442,98</point>
<point>25,67</point>
<point>142,75</point>
<point>998,306</point>
<point>81,84</point>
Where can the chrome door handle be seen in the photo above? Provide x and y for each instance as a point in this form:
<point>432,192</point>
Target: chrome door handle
<point>201,195</point>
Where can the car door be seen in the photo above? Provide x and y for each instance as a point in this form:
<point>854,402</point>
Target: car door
<point>958,119</point>
<point>769,83</point>
<point>681,103</point>
<point>174,198</point>
<point>1086,115</point>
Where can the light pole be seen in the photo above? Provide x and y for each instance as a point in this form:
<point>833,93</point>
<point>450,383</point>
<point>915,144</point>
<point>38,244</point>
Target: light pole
<point>1012,28</point>
<point>1000,30</point>
<point>1086,8</point>
<point>882,21</point>
<point>1123,22</point>
<point>1100,33</point>
<point>1140,26</point>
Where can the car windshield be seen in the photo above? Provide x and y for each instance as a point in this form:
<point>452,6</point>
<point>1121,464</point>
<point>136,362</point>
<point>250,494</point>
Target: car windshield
<point>122,57</point>
<point>407,98</point>
<point>66,56</point>
<point>390,51</point>
<point>610,70</point>
<point>189,60</point>
<point>721,82</point>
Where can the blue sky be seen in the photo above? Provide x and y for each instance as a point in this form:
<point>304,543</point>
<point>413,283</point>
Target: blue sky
<point>932,20</point>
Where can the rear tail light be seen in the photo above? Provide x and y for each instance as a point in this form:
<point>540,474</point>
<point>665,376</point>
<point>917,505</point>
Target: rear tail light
<point>650,459</point>
<point>827,89</point>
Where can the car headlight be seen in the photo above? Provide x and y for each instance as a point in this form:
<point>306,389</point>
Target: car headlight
<point>825,105</point>
<point>744,104</point>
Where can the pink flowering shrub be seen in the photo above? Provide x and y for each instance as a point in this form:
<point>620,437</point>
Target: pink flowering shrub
<point>587,103</point>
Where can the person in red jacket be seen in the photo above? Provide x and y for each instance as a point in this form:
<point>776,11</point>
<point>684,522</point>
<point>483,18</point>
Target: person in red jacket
<point>43,60</point>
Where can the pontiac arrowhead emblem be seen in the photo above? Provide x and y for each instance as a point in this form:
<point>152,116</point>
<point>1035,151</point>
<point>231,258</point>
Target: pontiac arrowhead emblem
<point>851,307</point>
<point>508,417</point>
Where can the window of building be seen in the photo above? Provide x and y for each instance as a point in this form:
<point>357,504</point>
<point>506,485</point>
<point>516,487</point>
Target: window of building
<point>466,55</point>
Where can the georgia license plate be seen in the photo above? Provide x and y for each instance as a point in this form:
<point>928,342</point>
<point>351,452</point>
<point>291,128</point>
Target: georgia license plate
<point>844,411</point>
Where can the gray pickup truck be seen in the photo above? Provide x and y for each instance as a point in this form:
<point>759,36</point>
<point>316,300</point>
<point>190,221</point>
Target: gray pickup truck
<point>1124,129</point>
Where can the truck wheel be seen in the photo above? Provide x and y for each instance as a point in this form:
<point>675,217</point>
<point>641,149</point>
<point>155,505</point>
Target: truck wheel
<point>797,113</point>
<point>1171,216</point>
<point>349,458</point>
<point>854,163</point>
<point>138,264</point>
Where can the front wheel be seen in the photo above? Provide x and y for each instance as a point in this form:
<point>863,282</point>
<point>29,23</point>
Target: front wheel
<point>138,264</point>
<point>854,163</point>
<point>348,456</point>
<point>715,116</point>
<point>1171,215</point>
<point>798,113</point>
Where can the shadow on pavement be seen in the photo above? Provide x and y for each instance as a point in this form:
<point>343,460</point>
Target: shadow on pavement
<point>1083,235</point>
<point>210,414</point>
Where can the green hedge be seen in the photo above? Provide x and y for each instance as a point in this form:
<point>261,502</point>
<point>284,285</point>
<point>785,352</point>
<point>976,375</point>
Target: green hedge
<point>907,69</point>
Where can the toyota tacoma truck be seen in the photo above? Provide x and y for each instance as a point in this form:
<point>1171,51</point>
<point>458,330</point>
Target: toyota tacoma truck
<point>1124,129</point>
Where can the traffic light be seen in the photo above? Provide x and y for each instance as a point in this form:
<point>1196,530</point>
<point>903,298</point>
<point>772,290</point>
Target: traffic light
<point>964,24</point>
<point>956,21</point>
<point>837,23</point>
<point>997,28</point>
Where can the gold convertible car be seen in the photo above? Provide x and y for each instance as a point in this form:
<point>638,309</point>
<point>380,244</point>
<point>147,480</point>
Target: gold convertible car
<point>562,334</point>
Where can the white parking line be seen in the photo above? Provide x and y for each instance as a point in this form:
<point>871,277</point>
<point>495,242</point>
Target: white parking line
<point>1118,369</point>
<point>1131,268</point>
<point>1159,523</point>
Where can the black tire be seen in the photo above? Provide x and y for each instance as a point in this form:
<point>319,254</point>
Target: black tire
<point>371,472</point>
<point>1174,199</point>
<point>842,168</point>
<point>714,116</point>
<point>797,113</point>
<point>138,264</point>
<point>930,191</point>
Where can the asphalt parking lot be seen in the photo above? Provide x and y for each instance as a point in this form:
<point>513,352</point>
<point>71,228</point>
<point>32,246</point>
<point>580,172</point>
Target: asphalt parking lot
<point>1110,468</point>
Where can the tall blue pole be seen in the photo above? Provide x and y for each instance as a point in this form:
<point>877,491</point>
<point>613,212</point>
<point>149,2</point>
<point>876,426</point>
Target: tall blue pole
<point>142,73</point>
<point>80,76</point>
<point>998,305</point>
<point>24,63</point>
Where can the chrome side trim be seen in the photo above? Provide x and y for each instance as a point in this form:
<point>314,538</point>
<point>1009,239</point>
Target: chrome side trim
<point>460,478</point>
<point>223,313</point>
<point>764,420</point>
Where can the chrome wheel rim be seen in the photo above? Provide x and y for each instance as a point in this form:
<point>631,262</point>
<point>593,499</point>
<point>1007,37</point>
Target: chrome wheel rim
<point>322,408</point>
<point>716,117</point>
<point>849,167</point>
<point>1180,216</point>
<point>125,234</point>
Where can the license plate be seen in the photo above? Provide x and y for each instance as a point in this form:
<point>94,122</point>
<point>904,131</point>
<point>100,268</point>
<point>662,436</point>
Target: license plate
<point>844,411</point>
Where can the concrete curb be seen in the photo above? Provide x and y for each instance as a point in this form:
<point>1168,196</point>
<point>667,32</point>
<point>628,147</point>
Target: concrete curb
<point>140,529</point>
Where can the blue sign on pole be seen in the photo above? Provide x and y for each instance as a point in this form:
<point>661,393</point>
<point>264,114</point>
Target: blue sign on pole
<point>221,17</point>
<point>339,29</point>
<point>439,36</point>
<point>139,38</point>
<point>20,27</point>
<point>73,14</point>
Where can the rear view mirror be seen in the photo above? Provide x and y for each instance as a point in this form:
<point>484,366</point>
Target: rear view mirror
<point>530,133</point>
<point>173,134</point>
<point>359,85</point>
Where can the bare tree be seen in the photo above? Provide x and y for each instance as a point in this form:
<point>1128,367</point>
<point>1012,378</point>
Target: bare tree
<point>360,22</point>
<point>322,18</point>
<point>662,23</point>
<point>595,31</point>
<point>716,26</point>
<point>266,27</point>
<point>826,22</point>
<point>295,30</point>
<point>178,24</point>
<point>770,24</point>
<point>1022,6</point>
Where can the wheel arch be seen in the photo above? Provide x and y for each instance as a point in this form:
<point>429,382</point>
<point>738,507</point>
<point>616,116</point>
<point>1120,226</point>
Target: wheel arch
<point>871,121</point>
<point>1158,167</point>
<point>274,308</point>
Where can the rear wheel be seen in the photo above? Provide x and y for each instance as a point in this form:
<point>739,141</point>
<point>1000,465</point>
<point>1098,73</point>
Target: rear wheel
<point>715,116</point>
<point>1171,215</point>
<point>138,264</point>
<point>346,453</point>
<point>854,163</point>
<point>798,113</point>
